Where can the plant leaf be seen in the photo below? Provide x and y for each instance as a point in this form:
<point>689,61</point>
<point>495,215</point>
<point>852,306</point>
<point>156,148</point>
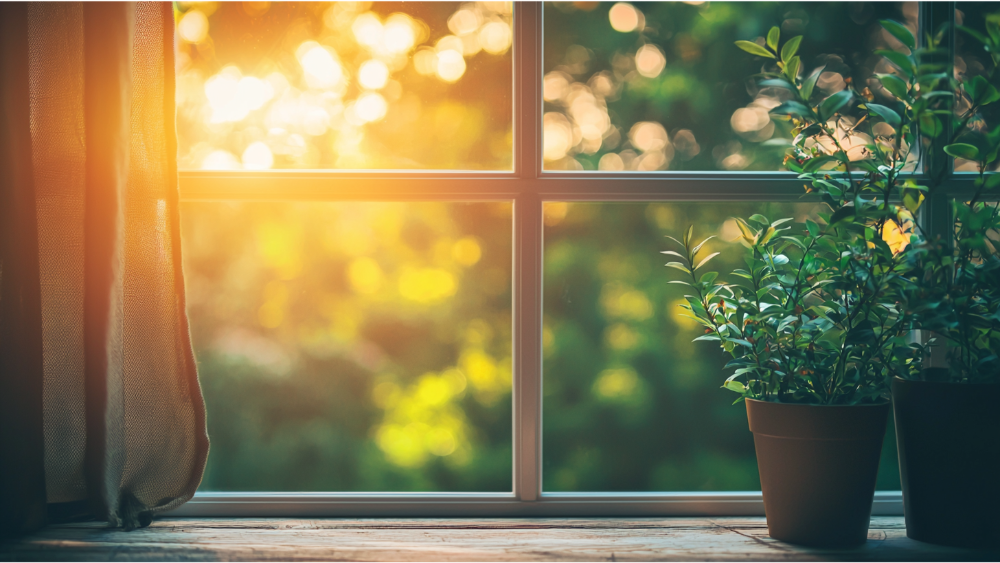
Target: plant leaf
<point>834,103</point>
<point>809,83</point>
<point>701,244</point>
<point>791,107</point>
<point>754,49</point>
<point>706,259</point>
<point>912,200</point>
<point>678,266</point>
<point>735,386</point>
<point>844,214</point>
<point>792,68</point>
<point>814,164</point>
<point>962,150</point>
<point>791,47</point>
<point>887,114</point>
<point>900,32</point>
<point>903,62</point>
<point>981,91</point>
<point>894,84</point>
<point>772,38</point>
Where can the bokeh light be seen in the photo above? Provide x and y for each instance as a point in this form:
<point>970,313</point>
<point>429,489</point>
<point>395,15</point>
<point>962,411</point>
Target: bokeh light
<point>193,27</point>
<point>373,74</point>
<point>450,65</point>
<point>624,17</point>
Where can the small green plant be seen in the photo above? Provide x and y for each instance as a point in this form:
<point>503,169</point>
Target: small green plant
<point>816,317</point>
<point>956,289</point>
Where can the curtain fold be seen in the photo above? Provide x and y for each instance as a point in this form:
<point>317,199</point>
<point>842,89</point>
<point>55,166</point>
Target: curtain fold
<point>105,410</point>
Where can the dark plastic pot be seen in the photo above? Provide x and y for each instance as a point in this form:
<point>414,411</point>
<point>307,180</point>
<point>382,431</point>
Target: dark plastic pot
<point>948,435</point>
<point>818,466</point>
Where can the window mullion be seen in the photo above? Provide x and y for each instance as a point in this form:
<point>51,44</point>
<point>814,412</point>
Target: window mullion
<point>936,213</point>
<point>527,265</point>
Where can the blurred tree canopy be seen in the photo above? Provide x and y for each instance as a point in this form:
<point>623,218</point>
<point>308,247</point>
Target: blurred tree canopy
<point>367,347</point>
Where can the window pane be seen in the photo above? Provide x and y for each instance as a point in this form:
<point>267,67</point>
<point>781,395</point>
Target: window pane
<point>660,86</point>
<point>630,402</point>
<point>344,85</point>
<point>353,346</point>
<point>972,60</point>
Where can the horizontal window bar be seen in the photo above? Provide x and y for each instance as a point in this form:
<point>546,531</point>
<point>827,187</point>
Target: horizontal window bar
<point>312,186</point>
<point>886,503</point>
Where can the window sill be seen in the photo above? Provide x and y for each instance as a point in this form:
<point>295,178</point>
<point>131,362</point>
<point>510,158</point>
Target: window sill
<point>469,539</point>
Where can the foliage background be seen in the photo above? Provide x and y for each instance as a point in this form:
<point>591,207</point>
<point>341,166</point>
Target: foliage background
<point>366,347</point>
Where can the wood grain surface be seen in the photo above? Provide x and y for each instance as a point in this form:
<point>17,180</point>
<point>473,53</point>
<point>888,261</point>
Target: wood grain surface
<point>466,539</point>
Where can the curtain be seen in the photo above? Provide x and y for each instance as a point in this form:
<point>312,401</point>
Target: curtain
<point>100,406</point>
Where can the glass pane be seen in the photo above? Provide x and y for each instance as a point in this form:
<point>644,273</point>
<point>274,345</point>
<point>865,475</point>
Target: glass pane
<point>630,402</point>
<point>353,346</point>
<point>972,60</point>
<point>660,86</point>
<point>344,85</point>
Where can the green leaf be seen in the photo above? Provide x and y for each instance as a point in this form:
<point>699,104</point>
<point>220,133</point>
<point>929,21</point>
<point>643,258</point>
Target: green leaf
<point>887,114</point>
<point>962,150</point>
<point>809,83</point>
<point>900,32</point>
<point>912,200</point>
<point>754,49</point>
<point>758,218</point>
<point>812,227</point>
<point>708,277</point>
<point>815,163</point>
<point>777,83</point>
<point>791,107</point>
<point>903,62</point>
<point>842,215</point>
<point>695,250</point>
<point>981,91</point>
<point>894,84</point>
<point>678,266</point>
<point>791,47</point>
<point>792,68</point>
<point>706,259</point>
<point>930,125</point>
<point>834,103</point>
<point>735,386</point>
<point>772,38</point>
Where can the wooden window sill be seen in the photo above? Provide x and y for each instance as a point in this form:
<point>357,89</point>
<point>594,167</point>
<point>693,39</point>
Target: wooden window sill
<point>465,539</point>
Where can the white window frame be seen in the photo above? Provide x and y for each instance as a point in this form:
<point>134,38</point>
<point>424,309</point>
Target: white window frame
<point>528,186</point>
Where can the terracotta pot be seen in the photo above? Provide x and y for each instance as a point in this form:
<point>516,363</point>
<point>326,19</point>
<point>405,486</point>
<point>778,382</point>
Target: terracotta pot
<point>818,466</point>
<point>948,435</point>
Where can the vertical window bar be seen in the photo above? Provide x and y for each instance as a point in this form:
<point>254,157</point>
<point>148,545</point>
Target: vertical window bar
<point>936,212</point>
<point>527,266</point>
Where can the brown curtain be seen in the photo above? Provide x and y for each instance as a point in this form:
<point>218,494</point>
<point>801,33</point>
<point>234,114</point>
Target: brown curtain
<point>100,406</point>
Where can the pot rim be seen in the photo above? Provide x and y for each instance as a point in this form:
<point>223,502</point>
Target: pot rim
<point>878,404</point>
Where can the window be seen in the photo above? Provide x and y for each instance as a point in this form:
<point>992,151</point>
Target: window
<point>381,199</point>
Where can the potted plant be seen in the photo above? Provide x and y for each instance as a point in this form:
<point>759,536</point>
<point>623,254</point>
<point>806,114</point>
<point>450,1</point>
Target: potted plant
<point>813,324</point>
<point>946,421</point>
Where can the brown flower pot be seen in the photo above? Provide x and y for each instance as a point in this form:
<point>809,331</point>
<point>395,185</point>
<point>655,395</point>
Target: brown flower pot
<point>818,466</point>
<point>948,435</point>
